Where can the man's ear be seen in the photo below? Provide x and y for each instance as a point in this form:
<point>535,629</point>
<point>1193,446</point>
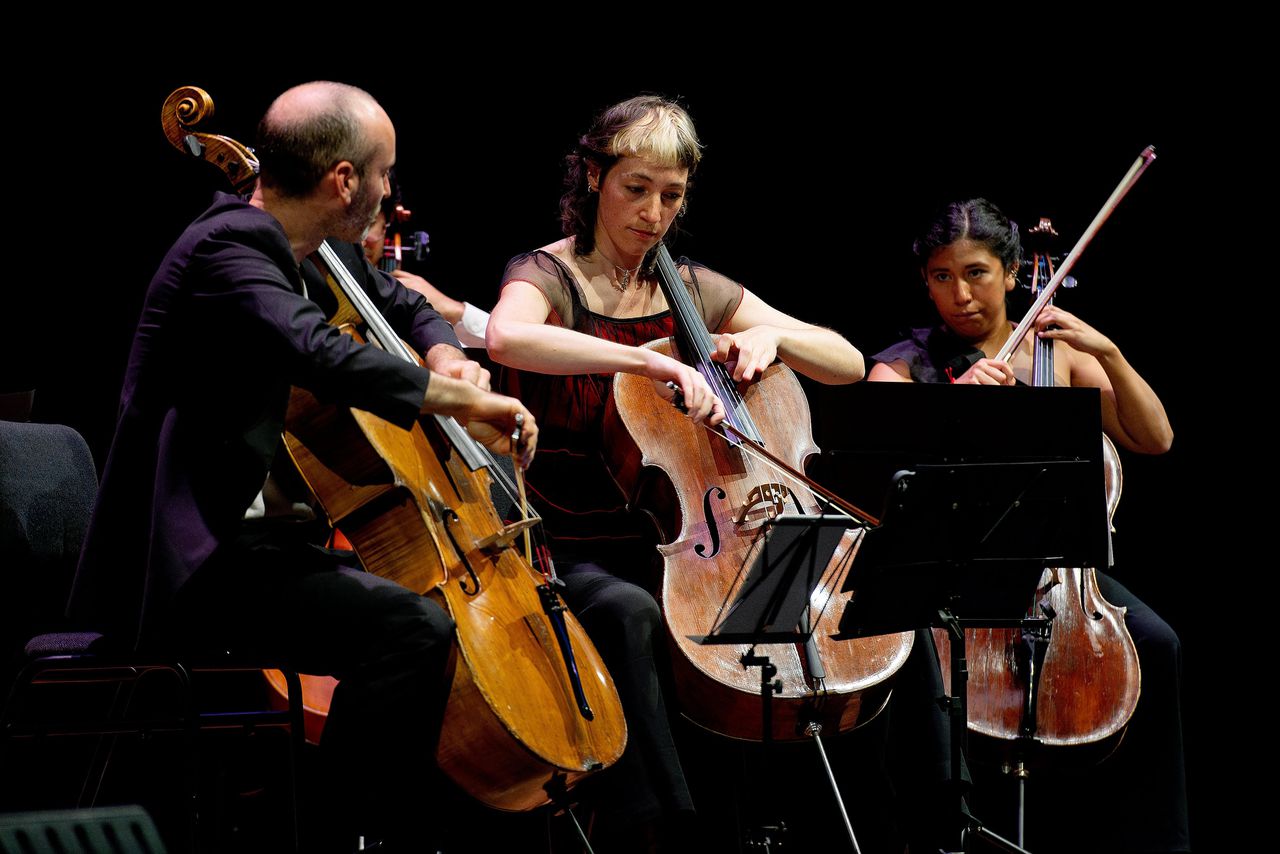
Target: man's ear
<point>345,180</point>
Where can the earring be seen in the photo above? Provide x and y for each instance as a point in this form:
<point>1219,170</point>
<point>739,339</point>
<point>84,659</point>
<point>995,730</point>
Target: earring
<point>684,209</point>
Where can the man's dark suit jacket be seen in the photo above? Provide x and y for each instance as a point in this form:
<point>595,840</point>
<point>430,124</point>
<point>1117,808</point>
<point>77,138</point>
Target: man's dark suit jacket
<point>225,332</point>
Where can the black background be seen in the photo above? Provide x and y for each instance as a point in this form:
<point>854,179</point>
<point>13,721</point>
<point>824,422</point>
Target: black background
<point>816,175</point>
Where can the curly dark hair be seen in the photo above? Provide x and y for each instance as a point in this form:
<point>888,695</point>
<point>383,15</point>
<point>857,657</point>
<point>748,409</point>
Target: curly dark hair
<point>648,126</point>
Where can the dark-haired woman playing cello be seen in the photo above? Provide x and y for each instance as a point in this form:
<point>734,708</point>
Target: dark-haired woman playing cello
<point>969,256</point>
<point>570,316</point>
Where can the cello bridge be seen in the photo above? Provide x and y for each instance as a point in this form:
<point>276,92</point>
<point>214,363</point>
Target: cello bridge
<point>772,495</point>
<point>500,540</point>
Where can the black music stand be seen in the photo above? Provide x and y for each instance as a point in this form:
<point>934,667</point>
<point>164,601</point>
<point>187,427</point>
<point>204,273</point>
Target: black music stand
<point>771,607</point>
<point>971,532</point>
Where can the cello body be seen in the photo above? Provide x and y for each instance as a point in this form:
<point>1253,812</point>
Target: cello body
<point>711,502</point>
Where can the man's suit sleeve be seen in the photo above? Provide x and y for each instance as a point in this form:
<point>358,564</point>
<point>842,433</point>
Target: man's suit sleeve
<point>265,315</point>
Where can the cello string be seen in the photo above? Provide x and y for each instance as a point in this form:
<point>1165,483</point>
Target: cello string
<point>690,326</point>
<point>738,416</point>
<point>717,375</point>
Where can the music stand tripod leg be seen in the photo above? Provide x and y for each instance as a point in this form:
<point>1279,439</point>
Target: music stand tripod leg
<point>814,731</point>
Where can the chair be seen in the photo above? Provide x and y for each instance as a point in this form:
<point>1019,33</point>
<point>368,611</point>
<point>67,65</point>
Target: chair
<point>47,486</point>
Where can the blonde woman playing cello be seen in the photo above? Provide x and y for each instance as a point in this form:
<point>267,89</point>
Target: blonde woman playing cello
<point>571,314</point>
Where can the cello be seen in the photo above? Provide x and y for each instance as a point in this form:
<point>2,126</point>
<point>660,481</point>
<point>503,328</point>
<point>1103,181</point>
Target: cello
<point>531,708</point>
<point>717,493</point>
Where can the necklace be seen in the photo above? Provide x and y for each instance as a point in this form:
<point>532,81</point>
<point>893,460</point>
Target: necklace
<point>622,276</point>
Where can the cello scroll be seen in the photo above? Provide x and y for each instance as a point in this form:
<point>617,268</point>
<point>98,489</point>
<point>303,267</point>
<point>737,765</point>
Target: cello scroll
<point>184,110</point>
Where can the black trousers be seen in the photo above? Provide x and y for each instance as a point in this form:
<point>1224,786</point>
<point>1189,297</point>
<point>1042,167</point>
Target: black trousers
<point>391,648</point>
<point>624,622</point>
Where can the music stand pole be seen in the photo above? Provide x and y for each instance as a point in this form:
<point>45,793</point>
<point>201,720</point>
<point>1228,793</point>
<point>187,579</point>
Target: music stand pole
<point>759,836</point>
<point>958,717</point>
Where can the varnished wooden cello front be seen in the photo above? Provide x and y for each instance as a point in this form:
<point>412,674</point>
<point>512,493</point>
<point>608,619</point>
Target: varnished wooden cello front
<point>523,721</point>
<point>716,498</point>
